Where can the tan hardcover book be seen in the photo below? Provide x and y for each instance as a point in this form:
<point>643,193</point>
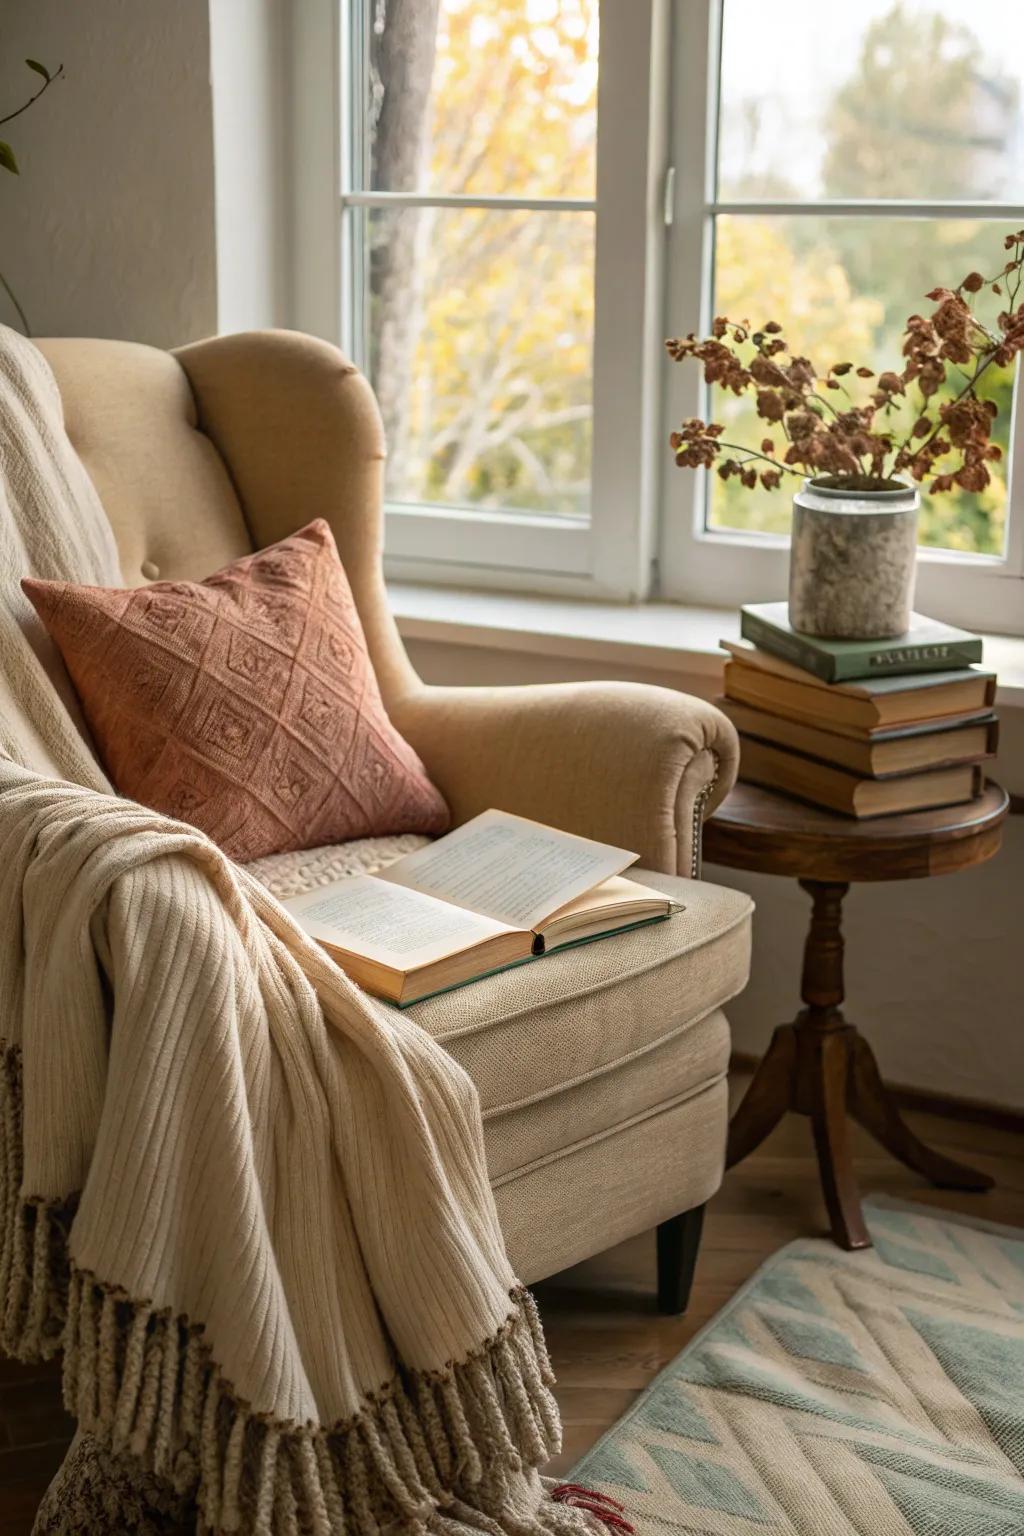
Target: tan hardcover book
<point>837,790</point>
<point>496,892</point>
<point>905,749</point>
<point>852,709</point>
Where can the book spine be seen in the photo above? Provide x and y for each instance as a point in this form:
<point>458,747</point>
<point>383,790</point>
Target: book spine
<point>789,647</point>
<point>900,659</point>
<point>865,660</point>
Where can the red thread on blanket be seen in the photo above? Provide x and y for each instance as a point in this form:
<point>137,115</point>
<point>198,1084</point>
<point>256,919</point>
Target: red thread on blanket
<point>605,1509</point>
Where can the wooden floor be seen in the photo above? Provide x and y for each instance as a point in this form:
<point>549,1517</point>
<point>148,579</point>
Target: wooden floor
<point>606,1337</point>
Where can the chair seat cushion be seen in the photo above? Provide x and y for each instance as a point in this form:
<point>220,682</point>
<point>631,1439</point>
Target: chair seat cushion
<point>586,1041</point>
<point>595,1037</point>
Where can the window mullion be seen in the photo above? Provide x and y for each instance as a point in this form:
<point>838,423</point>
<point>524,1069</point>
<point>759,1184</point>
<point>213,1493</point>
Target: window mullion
<point>695,58</point>
<point>883,208</point>
<point>632,160</point>
<point>501,202</point>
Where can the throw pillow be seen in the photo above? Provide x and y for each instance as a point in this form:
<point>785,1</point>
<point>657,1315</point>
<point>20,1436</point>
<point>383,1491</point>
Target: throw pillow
<point>245,704</point>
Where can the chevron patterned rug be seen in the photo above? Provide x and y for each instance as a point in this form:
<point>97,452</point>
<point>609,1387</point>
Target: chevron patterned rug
<point>871,1394</point>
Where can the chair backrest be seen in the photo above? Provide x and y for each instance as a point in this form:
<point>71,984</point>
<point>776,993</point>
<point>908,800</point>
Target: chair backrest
<point>132,418</point>
<point>223,447</point>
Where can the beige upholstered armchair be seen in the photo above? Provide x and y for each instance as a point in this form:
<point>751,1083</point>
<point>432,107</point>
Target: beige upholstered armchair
<point>601,1072</point>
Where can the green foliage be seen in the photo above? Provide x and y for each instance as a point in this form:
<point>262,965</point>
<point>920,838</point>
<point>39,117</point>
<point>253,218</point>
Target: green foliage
<point>905,125</point>
<point>920,117</point>
<point>7,160</point>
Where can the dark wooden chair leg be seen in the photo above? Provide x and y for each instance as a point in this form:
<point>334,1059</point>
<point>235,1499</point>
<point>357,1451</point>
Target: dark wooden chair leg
<point>678,1245</point>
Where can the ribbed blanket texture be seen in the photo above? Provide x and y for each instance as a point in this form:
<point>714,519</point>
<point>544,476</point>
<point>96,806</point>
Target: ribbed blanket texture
<point>249,1203</point>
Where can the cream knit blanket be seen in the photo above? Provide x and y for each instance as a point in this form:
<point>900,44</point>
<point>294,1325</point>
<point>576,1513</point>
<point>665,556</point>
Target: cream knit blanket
<point>249,1202</point>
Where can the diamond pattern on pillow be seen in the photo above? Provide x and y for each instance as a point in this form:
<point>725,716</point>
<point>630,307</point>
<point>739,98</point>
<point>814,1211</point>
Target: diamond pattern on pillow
<point>245,704</point>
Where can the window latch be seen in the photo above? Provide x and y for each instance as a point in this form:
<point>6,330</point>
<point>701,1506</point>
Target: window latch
<point>669,197</point>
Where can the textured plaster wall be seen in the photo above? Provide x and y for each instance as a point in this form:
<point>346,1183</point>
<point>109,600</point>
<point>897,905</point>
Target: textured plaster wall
<point>110,229</point>
<point>934,967</point>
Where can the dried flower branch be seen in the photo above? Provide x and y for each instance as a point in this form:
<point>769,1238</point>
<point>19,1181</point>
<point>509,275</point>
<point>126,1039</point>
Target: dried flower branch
<point>854,440</point>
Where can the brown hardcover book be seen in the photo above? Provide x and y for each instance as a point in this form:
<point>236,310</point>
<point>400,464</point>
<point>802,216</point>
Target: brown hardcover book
<point>852,709</point>
<point>837,790</point>
<point>497,892</point>
<point>883,754</point>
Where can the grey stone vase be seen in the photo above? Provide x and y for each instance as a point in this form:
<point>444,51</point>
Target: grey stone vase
<point>852,560</point>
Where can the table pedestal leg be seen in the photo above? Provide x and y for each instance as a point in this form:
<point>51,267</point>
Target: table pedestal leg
<point>872,1105</point>
<point>820,1066</point>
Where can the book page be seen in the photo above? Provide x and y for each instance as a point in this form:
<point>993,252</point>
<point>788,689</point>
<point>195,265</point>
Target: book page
<point>616,892</point>
<point>396,927</point>
<point>513,870</point>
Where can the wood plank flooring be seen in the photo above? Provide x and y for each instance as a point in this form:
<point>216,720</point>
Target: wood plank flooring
<point>605,1335</point>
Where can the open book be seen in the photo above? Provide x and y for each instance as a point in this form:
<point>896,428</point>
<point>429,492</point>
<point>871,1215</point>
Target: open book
<point>496,892</point>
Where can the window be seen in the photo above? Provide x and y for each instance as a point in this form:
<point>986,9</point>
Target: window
<point>849,160</point>
<point>487,247</point>
<point>534,193</point>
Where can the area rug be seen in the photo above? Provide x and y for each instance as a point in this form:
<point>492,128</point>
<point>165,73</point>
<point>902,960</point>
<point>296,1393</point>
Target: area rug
<point>879,1393</point>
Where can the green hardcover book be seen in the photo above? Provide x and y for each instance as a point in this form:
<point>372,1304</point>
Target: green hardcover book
<point>928,646</point>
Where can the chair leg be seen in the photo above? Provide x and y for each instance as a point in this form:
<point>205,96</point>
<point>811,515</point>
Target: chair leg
<point>678,1244</point>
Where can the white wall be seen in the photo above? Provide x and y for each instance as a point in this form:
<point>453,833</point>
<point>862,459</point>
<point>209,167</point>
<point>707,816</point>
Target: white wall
<point>110,228</point>
<point>934,967</point>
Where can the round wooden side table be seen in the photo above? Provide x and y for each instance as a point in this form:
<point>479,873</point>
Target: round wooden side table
<point>820,1065</point>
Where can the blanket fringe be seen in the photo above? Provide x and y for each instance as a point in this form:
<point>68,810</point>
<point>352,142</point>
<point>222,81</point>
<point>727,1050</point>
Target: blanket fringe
<point>33,1240</point>
<point>432,1454</point>
<point>143,1381</point>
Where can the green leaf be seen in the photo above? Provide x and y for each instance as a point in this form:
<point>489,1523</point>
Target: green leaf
<point>40,69</point>
<point>7,160</point>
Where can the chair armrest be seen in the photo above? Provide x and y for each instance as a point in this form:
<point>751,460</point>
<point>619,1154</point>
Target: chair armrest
<point>625,763</point>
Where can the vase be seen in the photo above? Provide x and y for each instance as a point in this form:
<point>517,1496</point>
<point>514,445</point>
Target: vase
<point>853,559</point>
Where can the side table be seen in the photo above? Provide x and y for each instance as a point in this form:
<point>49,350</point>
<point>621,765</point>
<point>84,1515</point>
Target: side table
<point>820,1065</point>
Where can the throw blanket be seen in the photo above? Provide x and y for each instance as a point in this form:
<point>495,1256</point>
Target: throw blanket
<point>250,1203</point>
<point>52,526</point>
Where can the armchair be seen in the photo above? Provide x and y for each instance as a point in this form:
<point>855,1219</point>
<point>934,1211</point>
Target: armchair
<point>602,1072</point>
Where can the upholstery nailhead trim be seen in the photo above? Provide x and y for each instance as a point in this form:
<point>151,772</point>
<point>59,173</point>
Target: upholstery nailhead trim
<point>699,802</point>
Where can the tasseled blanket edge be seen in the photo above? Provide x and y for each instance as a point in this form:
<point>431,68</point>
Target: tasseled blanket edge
<point>431,1451</point>
<point>33,1240</point>
<point>144,1383</point>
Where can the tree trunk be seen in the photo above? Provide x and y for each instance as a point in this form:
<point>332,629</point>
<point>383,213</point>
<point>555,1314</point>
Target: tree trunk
<point>402,56</point>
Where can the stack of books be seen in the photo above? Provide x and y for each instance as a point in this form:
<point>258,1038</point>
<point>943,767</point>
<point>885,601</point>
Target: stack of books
<point>863,727</point>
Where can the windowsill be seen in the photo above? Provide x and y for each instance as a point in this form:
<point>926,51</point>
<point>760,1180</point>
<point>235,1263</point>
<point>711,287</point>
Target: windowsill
<point>657,637</point>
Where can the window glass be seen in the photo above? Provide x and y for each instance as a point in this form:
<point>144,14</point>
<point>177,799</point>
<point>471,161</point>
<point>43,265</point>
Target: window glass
<point>492,99</point>
<point>917,99</point>
<point>842,289</point>
<point>480,326</point>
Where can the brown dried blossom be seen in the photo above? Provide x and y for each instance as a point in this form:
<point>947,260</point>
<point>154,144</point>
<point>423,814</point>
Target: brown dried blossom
<point>855,441</point>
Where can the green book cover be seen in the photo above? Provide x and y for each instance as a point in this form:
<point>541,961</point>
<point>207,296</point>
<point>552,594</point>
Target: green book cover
<point>928,646</point>
<point>591,938</point>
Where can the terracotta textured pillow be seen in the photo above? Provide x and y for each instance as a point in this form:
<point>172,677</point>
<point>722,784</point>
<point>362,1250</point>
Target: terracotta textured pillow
<point>245,704</point>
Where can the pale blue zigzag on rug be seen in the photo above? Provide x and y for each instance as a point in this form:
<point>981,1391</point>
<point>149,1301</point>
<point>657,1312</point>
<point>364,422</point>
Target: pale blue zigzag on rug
<point>878,1393</point>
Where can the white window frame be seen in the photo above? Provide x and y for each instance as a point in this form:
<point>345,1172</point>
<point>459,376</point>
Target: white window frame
<point>609,555</point>
<point>723,568</point>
